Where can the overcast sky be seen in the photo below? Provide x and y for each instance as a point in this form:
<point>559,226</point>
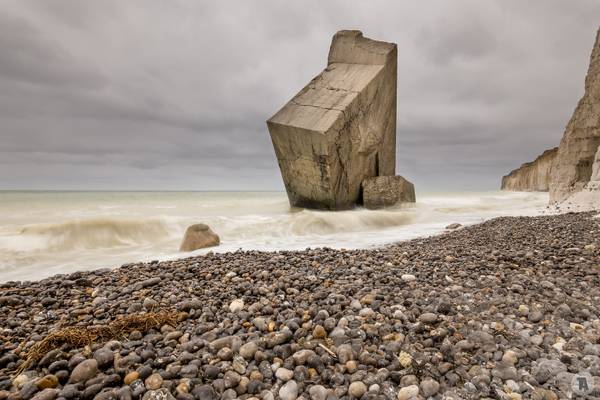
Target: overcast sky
<point>144,94</point>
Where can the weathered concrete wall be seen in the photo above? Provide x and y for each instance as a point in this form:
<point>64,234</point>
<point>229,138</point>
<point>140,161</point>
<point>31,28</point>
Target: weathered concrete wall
<point>341,127</point>
<point>532,176</point>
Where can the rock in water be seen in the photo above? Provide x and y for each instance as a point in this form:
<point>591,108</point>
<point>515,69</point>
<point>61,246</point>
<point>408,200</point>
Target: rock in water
<point>572,169</point>
<point>532,176</point>
<point>341,128</point>
<point>199,236</point>
<point>454,225</point>
<point>385,191</point>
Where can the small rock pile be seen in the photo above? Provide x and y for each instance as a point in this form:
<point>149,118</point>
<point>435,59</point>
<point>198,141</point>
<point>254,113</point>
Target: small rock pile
<point>507,309</point>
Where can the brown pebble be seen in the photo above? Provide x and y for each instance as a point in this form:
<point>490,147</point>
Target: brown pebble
<point>47,382</point>
<point>319,332</point>
<point>130,377</point>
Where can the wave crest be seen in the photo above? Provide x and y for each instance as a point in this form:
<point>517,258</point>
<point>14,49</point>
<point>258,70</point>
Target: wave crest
<point>323,223</point>
<point>97,233</point>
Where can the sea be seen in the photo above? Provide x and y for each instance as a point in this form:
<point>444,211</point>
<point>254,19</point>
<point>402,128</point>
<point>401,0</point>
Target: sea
<point>43,233</point>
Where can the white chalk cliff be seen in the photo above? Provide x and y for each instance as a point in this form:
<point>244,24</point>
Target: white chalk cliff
<point>572,169</point>
<point>341,128</point>
<point>571,173</point>
<point>532,176</point>
<point>587,198</point>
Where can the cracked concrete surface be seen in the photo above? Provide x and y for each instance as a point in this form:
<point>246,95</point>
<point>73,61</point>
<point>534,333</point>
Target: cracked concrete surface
<point>340,128</point>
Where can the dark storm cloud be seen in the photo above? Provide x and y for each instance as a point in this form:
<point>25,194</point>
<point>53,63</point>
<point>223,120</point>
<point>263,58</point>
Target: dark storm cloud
<point>173,95</point>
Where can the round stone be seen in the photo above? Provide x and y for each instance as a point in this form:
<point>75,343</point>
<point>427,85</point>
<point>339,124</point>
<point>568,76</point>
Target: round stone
<point>510,357</point>
<point>405,359</point>
<point>239,365</point>
<point>231,379</point>
<point>374,388</point>
<point>319,332</point>
<point>408,393</point>
<point>357,389</point>
<point>225,354</point>
<point>149,304</point>
<point>351,366</point>
<point>284,374</point>
<point>161,394</point>
<point>535,316</point>
<point>429,387</point>
<point>46,394</point>
<point>205,392</point>
<point>183,387</point>
<point>130,377</point>
<point>47,382</point>
<point>289,391</point>
<point>84,371</point>
<point>302,356</point>
<point>154,381</point>
<point>428,318</point>
<point>318,392</point>
<point>248,350</point>
<point>236,306</point>
<point>256,375</point>
<point>20,380</point>
<point>345,353</point>
<point>523,310</point>
<point>104,357</point>
<point>212,371</point>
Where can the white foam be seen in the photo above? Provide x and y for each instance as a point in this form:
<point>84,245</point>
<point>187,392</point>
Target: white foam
<point>47,233</point>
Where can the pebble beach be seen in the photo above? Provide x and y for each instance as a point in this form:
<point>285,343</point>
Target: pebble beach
<point>505,309</point>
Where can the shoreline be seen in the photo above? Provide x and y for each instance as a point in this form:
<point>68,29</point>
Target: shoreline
<point>484,310</point>
<point>116,229</point>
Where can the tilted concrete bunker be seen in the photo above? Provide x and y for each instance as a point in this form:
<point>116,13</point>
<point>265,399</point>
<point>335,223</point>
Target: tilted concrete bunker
<point>341,128</point>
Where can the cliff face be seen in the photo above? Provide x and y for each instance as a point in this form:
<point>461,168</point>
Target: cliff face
<point>587,198</point>
<point>341,128</point>
<point>572,169</point>
<point>532,176</point>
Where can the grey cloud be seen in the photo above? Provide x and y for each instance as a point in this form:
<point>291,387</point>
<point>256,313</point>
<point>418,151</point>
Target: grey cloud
<point>28,56</point>
<point>173,95</point>
<point>465,40</point>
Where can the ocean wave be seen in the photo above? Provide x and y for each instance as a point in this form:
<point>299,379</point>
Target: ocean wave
<point>305,223</point>
<point>95,233</point>
<point>323,223</point>
<point>60,233</point>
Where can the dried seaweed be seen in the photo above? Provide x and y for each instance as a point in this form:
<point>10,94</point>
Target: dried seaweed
<point>76,336</point>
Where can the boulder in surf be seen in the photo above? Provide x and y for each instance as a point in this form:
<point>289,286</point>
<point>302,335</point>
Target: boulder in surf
<point>199,236</point>
<point>386,191</point>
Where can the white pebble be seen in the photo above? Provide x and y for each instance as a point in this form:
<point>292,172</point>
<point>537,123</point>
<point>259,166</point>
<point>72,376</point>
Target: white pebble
<point>236,306</point>
<point>289,391</point>
<point>408,393</point>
